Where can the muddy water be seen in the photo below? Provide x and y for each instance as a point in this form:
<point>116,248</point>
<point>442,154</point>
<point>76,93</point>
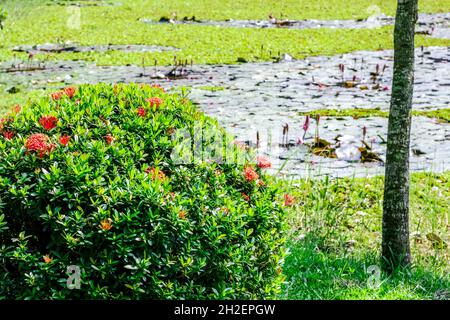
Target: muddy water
<point>262,97</point>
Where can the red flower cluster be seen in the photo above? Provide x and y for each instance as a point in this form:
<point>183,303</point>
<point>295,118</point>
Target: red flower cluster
<point>182,214</point>
<point>64,140</point>
<point>109,138</point>
<point>38,142</point>
<point>263,162</point>
<point>156,174</point>
<point>48,122</point>
<point>245,196</point>
<point>57,95</point>
<point>250,173</point>
<point>141,112</point>
<point>288,200</point>
<point>4,121</point>
<point>155,85</point>
<point>8,135</point>
<point>106,224</point>
<point>155,101</point>
<point>69,91</point>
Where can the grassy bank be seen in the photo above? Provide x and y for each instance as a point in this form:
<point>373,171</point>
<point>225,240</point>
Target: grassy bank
<point>336,237</point>
<point>442,115</point>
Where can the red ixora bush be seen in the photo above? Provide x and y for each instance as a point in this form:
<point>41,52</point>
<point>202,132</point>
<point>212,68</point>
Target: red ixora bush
<point>70,196</point>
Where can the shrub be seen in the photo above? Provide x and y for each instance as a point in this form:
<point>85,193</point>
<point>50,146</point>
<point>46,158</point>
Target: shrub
<point>87,179</point>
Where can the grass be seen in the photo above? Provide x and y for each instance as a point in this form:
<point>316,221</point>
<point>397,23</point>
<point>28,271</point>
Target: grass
<point>336,236</point>
<point>211,88</point>
<point>39,24</point>
<point>442,115</point>
<point>8,100</point>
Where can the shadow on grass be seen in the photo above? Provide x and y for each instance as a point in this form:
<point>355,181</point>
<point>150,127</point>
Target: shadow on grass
<point>314,273</point>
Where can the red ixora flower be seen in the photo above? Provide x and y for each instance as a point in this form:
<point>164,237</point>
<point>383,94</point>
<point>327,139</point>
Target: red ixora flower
<point>263,162</point>
<point>17,108</point>
<point>109,138</point>
<point>155,101</point>
<point>158,86</point>
<point>64,140</point>
<point>106,224</point>
<point>8,135</point>
<point>70,92</point>
<point>156,174</point>
<point>141,112</point>
<point>250,173</point>
<point>182,214</point>
<point>245,196</point>
<point>4,121</point>
<point>57,95</point>
<point>288,200</point>
<point>48,122</point>
<point>38,142</point>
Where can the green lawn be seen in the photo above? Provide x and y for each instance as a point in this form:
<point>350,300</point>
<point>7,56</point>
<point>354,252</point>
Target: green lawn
<point>336,236</point>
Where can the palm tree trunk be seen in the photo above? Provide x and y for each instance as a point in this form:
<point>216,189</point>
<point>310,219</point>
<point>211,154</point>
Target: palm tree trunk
<point>395,243</point>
